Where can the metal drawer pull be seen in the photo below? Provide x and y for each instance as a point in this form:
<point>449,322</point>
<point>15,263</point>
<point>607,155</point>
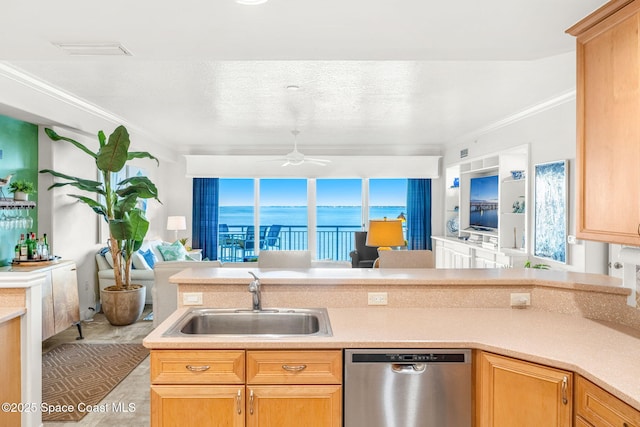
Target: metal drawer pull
<point>294,368</point>
<point>251,402</point>
<point>239,402</point>
<point>565,384</point>
<point>198,368</point>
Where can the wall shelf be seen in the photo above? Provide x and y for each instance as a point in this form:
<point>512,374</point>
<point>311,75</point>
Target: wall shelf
<point>6,204</point>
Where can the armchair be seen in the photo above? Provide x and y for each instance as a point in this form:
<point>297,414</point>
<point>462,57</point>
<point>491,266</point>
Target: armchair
<point>363,256</point>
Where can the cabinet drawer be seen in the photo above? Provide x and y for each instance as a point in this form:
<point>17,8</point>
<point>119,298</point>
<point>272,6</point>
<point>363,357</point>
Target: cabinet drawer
<point>601,408</point>
<point>197,367</point>
<point>294,367</point>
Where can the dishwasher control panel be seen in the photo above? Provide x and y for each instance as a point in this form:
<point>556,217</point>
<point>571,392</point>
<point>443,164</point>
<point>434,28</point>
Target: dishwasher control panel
<point>409,358</point>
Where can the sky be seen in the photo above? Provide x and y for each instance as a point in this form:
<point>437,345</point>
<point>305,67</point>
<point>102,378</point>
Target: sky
<point>485,188</point>
<point>330,192</point>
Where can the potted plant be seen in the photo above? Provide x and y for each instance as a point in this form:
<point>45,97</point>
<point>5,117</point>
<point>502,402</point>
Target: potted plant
<point>21,189</point>
<point>123,303</point>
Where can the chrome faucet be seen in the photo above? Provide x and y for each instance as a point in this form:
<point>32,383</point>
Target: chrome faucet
<point>254,288</point>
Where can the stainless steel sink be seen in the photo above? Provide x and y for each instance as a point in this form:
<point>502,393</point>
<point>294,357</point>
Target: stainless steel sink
<point>276,322</point>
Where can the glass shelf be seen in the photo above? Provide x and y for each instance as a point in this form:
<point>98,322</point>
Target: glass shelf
<point>13,204</point>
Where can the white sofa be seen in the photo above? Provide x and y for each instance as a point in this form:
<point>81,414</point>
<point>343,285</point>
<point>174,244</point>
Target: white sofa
<point>141,273</point>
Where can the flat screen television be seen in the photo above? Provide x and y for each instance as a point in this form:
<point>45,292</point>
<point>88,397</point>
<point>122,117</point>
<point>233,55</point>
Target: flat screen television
<point>483,203</point>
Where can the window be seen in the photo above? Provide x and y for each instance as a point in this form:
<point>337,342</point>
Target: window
<point>388,199</point>
<point>280,212</point>
<point>283,203</point>
<point>235,217</point>
<point>338,216</point>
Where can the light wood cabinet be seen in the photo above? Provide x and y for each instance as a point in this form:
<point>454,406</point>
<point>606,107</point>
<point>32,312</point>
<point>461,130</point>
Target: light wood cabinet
<point>597,408</point>
<point>294,406</point>
<point>217,388</point>
<point>608,130</point>
<point>10,370</point>
<point>60,305</point>
<point>315,400</point>
<point>512,392</point>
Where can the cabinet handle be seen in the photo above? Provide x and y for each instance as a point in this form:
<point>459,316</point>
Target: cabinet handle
<point>638,229</point>
<point>625,425</point>
<point>565,384</point>
<point>197,368</point>
<point>251,402</point>
<point>239,402</point>
<point>294,368</point>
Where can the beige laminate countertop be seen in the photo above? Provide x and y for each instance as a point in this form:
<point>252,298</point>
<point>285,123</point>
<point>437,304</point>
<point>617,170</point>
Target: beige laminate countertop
<point>605,353</point>
<point>8,313</point>
<point>392,276</point>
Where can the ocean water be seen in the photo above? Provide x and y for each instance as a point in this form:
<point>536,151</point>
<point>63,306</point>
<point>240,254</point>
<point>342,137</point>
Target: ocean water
<point>349,216</point>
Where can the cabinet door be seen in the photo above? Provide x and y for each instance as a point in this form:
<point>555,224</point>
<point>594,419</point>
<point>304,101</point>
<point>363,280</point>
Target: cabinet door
<point>202,406</point>
<point>516,393</point>
<point>10,372</point>
<point>66,308</point>
<point>600,408</point>
<point>608,134</point>
<point>48,323</point>
<point>294,406</point>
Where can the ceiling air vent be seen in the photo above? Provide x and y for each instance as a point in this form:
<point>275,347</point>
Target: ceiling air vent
<point>464,153</point>
<point>93,49</point>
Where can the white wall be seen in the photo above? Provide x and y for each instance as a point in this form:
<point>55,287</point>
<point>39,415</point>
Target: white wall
<point>551,135</point>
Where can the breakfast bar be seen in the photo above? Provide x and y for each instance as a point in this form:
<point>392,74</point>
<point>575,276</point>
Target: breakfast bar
<point>575,322</point>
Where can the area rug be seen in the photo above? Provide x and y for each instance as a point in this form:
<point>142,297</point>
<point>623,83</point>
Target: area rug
<point>75,377</point>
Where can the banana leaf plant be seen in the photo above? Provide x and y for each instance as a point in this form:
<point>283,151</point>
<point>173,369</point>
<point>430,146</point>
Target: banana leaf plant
<point>118,205</point>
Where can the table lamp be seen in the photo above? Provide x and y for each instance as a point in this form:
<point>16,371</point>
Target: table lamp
<point>385,233</point>
<point>176,223</point>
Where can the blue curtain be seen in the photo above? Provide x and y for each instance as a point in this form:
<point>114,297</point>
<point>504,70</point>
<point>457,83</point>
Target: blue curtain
<point>205,216</point>
<point>419,213</point>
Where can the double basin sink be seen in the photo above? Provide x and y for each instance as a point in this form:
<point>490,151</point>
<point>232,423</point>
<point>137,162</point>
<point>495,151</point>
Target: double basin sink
<point>272,322</point>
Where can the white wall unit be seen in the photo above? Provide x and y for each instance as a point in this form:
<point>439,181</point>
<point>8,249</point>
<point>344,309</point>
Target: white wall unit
<point>504,246</point>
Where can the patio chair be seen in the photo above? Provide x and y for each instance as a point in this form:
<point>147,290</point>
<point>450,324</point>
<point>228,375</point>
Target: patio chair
<point>272,239</point>
<point>249,243</point>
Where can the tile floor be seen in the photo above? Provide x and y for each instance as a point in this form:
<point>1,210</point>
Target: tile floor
<point>132,390</point>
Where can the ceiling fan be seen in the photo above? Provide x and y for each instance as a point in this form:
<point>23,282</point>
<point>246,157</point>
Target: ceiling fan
<point>296,158</point>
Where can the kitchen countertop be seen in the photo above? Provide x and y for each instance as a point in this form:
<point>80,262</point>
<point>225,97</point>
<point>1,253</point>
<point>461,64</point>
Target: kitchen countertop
<point>392,276</point>
<point>605,353</point>
<point>8,313</point>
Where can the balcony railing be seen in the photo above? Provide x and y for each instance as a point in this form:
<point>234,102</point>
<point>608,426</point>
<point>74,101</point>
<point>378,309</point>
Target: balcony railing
<point>333,242</point>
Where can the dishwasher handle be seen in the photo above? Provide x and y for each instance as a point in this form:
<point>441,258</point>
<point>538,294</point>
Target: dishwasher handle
<point>408,368</point>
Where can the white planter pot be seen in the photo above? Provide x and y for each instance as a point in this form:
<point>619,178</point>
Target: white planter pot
<point>19,195</point>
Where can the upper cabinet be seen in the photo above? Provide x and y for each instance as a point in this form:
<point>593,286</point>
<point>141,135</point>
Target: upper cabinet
<point>608,129</point>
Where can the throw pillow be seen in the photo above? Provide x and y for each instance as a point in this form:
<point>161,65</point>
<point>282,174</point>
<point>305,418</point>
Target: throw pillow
<point>149,257</point>
<point>109,258</point>
<point>139,262</point>
<point>173,252</point>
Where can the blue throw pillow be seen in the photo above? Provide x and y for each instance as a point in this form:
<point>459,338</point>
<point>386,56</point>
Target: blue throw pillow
<point>149,257</point>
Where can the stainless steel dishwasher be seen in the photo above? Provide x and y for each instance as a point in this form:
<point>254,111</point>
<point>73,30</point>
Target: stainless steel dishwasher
<point>407,388</point>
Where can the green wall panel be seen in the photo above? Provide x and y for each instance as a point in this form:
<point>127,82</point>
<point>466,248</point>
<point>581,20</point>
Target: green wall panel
<point>19,145</point>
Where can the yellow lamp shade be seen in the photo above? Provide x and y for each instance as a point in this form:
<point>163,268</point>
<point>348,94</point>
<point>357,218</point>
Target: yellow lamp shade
<point>385,233</point>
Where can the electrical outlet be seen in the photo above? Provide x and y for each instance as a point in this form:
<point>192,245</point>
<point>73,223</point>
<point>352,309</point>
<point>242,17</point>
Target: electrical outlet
<point>377,298</point>
<point>192,298</point>
<point>520,300</point>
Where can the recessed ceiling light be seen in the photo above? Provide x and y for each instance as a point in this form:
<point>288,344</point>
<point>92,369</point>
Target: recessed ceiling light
<point>93,49</point>
<point>293,87</point>
<point>251,2</point>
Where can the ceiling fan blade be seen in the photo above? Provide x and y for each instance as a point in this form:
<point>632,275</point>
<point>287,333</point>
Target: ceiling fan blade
<point>322,162</point>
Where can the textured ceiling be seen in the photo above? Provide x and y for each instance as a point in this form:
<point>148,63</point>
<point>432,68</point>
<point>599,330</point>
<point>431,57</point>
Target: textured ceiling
<point>375,77</point>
